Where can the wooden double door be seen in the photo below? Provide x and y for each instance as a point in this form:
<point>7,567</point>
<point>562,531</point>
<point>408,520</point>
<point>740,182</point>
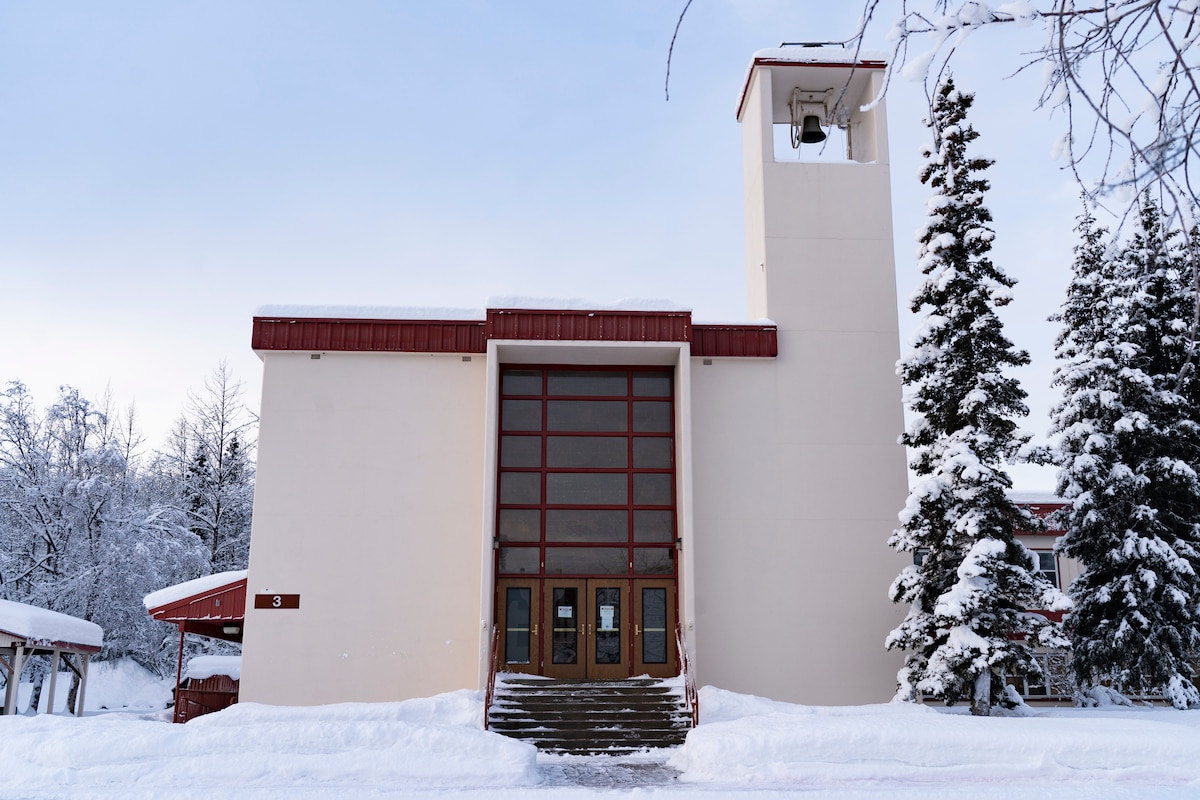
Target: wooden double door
<point>587,628</point>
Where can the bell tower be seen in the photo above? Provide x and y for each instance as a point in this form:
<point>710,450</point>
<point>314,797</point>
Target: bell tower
<point>791,558</point>
<point>818,232</point>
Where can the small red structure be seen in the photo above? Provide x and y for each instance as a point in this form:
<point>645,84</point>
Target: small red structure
<point>213,606</point>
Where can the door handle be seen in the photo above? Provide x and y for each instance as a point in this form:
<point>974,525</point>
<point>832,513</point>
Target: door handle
<point>534,631</point>
<point>637,630</point>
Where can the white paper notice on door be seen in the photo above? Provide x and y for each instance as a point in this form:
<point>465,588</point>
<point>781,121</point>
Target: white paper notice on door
<point>606,617</point>
<point>566,612</point>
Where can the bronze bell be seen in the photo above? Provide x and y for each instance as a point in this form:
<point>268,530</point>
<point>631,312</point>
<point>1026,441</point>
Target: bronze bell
<point>811,132</point>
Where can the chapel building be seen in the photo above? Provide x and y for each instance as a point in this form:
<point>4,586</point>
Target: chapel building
<point>599,484</point>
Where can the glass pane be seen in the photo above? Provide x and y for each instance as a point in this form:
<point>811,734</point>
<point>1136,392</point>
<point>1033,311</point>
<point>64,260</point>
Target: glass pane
<point>520,488</point>
<point>519,560</point>
<point>564,614</point>
<point>653,526</point>
<point>588,488</point>
<point>521,415</point>
<point>653,561</point>
<point>516,626</point>
<point>578,525</point>
<point>608,625</point>
<point>652,417</point>
<point>654,626</point>
<point>653,453</point>
<point>652,490</point>
<point>587,451</point>
<point>520,451</point>
<point>519,525</point>
<point>521,381</point>
<point>587,560</point>
<point>584,415</point>
<point>652,384</point>
<point>605,384</point>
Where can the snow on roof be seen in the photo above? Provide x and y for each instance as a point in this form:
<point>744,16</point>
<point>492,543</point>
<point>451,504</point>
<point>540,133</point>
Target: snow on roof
<point>1034,496</point>
<point>371,312</point>
<point>580,304</point>
<point>182,591</point>
<point>464,314</point>
<point>202,667</point>
<point>830,54</point>
<point>44,626</point>
<point>725,323</point>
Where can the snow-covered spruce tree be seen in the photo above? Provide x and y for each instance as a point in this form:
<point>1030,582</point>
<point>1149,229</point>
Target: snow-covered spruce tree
<point>1130,451</point>
<point>969,596</point>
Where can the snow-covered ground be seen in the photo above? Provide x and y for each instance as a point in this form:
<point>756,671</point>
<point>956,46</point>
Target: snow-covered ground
<point>745,747</point>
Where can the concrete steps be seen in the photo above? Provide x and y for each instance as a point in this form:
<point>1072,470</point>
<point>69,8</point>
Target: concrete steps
<point>590,717</point>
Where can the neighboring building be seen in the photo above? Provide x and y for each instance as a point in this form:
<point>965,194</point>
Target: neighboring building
<point>588,479</point>
<point>1055,682</point>
<point>213,606</point>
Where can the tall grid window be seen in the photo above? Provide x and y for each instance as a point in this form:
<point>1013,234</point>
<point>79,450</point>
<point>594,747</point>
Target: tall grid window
<point>586,479</point>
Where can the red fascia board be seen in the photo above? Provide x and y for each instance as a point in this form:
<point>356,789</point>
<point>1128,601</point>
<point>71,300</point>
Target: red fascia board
<point>779,62</point>
<point>1041,511</point>
<point>176,611</point>
<point>368,335</point>
<point>735,341</point>
<point>521,324</point>
<point>51,644</point>
<point>588,325</point>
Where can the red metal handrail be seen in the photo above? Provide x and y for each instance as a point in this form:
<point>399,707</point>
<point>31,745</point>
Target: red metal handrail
<point>689,678</point>
<point>493,658</point>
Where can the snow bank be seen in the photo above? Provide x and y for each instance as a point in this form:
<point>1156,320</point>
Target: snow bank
<point>42,626</point>
<point>202,667</point>
<point>753,740</point>
<point>121,685</point>
<point>252,750</point>
<point>182,591</point>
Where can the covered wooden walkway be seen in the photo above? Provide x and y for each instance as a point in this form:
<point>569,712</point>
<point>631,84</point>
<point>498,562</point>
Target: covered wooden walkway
<point>214,606</point>
<point>27,631</point>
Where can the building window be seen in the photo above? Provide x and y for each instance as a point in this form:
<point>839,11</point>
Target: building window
<point>1047,566</point>
<point>586,479</point>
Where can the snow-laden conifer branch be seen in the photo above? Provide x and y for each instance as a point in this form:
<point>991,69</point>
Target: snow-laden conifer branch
<point>972,588</point>
<point>1129,450</point>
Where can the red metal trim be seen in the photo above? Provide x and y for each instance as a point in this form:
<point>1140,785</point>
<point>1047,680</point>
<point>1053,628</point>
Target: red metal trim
<point>589,326</point>
<point>723,341</point>
<point>1043,511</point>
<point>369,335</point>
<point>226,602</point>
<point>778,62</point>
<point>470,336</point>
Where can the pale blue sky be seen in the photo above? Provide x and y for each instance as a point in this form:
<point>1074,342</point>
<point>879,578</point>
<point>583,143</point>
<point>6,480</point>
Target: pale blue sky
<point>169,167</point>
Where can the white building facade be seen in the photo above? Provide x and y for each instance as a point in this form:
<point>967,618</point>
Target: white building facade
<point>587,482</point>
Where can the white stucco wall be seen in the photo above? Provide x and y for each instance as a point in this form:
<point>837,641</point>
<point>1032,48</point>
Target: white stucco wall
<point>367,505</point>
<point>798,474</point>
